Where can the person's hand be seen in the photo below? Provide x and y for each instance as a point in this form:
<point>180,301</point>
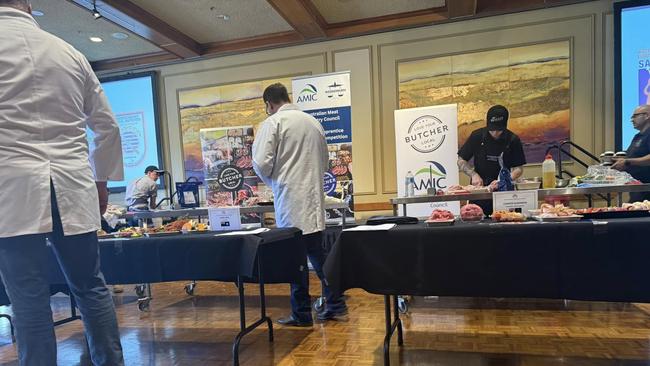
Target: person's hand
<point>619,164</point>
<point>494,185</point>
<point>477,180</point>
<point>102,193</point>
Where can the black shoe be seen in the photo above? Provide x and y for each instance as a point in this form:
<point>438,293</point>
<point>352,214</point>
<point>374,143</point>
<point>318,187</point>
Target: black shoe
<point>331,315</point>
<point>290,321</point>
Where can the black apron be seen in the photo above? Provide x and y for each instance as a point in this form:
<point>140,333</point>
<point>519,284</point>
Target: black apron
<point>481,165</point>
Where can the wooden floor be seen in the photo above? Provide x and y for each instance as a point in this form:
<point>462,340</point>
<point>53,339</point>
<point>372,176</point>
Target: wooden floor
<point>184,330</point>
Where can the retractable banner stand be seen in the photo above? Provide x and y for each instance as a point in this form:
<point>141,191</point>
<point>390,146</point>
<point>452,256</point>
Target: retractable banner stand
<point>327,98</point>
<point>426,143</point>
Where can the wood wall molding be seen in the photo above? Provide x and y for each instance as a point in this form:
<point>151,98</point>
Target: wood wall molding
<point>373,206</point>
<point>461,8</point>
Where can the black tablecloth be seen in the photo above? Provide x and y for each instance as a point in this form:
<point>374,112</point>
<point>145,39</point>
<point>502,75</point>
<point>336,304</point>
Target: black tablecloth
<point>577,260</point>
<point>198,257</point>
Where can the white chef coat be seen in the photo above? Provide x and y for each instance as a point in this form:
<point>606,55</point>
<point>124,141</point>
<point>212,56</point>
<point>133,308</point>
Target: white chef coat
<point>48,95</point>
<point>290,155</point>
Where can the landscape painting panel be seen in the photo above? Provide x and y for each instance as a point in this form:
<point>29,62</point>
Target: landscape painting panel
<point>229,105</point>
<point>533,82</point>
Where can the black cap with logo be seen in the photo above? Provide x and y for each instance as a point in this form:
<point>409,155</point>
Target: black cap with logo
<point>497,118</point>
<point>152,168</point>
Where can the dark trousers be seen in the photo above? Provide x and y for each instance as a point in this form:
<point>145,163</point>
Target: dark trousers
<point>300,299</point>
<point>24,266</point>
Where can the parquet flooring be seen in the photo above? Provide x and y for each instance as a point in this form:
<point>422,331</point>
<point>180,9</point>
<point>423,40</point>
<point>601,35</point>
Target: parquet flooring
<point>184,330</point>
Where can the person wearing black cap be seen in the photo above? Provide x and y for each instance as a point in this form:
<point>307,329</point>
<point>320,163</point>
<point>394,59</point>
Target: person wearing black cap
<point>141,193</point>
<point>486,145</point>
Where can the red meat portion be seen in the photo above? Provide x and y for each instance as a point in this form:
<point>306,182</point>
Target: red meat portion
<point>471,211</point>
<point>340,170</point>
<point>441,215</point>
<point>245,162</point>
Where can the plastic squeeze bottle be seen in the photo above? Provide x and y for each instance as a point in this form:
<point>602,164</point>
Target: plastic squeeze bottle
<point>548,172</point>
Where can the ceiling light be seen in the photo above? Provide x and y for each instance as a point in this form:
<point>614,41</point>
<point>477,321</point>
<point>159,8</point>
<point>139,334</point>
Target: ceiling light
<point>37,13</point>
<point>95,12</point>
<point>220,16</point>
<point>120,35</point>
<point>96,39</point>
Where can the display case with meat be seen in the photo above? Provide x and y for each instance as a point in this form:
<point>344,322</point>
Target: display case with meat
<point>471,213</point>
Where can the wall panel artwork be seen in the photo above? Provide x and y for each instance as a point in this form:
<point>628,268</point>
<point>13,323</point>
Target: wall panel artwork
<point>533,82</point>
<point>229,105</point>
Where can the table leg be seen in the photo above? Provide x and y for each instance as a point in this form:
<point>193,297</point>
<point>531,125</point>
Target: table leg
<point>398,321</point>
<point>343,219</point>
<point>620,199</point>
<point>390,327</point>
<point>73,313</point>
<point>609,199</point>
<point>590,201</point>
<point>394,209</point>
<point>242,312</point>
<point>404,209</point>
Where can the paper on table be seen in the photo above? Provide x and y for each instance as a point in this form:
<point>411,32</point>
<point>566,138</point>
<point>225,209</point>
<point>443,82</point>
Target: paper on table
<point>246,232</point>
<point>382,227</point>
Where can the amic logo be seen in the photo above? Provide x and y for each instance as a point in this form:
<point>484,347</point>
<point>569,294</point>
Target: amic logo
<point>432,176</point>
<point>308,94</point>
<point>335,90</point>
<point>426,134</point>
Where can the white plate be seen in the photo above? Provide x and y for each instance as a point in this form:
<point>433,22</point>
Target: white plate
<point>557,218</point>
<point>434,223</point>
<point>162,233</point>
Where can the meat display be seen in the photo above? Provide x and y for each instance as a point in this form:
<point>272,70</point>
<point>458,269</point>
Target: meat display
<point>645,205</point>
<point>559,210</point>
<point>457,189</point>
<point>471,212</point>
<point>507,216</point>
<point>245,162</point>
<point>441,215</point>
<point>340,170</point>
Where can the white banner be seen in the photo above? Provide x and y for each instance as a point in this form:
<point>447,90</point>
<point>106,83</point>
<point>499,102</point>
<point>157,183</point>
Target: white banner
<point>426,143</point>
<point>327,98</point>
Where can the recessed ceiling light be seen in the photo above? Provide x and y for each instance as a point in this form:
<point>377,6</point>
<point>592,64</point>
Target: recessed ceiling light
<point>96,39</point>
<point>223,16</point>
<point>37,13</point>
<point>120,35</point>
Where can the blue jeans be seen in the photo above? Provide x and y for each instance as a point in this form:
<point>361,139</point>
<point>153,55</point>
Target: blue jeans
<point>24,266</point>
<point>300,299</point>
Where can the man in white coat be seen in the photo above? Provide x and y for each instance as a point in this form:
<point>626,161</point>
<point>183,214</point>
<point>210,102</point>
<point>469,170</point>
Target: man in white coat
<point>53,188</point>
<point>290,155</point>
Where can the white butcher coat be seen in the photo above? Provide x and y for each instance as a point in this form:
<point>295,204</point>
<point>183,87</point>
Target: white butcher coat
<point>290,156</point>
<point>48,94</point>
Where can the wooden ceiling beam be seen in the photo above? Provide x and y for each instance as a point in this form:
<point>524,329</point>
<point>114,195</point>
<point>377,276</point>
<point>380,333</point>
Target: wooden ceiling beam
<point>130,62</point>
<point>302,16</point>
<point>135,19</point>
<point>461,8</point>
<point>388,22</point>
<point>252,43</point>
